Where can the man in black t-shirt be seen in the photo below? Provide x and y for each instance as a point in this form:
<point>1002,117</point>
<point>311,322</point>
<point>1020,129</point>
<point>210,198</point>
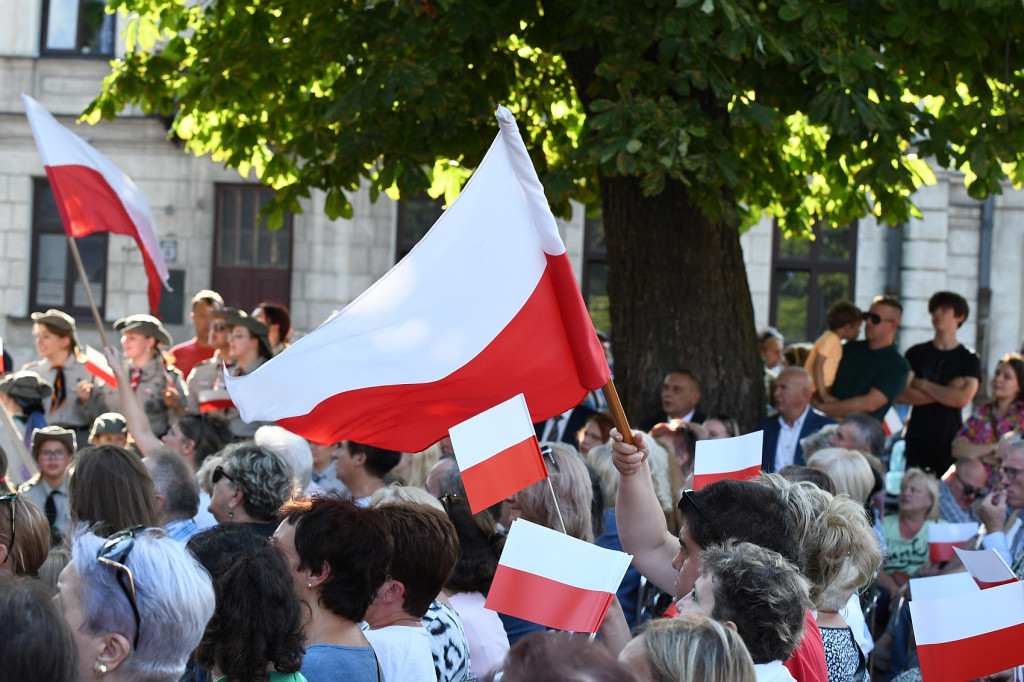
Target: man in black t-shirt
<point>946,377</point>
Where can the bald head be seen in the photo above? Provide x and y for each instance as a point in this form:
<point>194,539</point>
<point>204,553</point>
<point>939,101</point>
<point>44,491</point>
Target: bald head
<point>792,392</point>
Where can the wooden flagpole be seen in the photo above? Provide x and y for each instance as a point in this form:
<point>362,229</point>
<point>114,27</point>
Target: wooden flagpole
<point>88,290</point>
<point>618,414</point>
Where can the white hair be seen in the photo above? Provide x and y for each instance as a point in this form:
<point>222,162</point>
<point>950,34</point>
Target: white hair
<point>174,595</point>
<point>294,448</point>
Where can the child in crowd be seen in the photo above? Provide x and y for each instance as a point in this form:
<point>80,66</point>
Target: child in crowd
<point>844,320</point>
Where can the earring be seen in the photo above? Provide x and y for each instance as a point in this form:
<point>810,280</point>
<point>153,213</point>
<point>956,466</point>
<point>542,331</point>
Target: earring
<point>99,668</point>
<point>309,585</point>
<point>231,514</point>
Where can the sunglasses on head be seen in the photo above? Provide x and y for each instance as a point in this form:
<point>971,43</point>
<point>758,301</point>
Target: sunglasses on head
<point>114,553</point>
<point>219,473</point>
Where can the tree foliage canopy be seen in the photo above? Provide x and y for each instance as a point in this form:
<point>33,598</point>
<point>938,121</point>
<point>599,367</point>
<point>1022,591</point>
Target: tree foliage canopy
<point>802,108</point>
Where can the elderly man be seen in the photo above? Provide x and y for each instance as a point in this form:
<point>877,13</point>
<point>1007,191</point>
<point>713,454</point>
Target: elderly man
<point>177,493</point>
<point>958,490</point>
<point>680,394</point>
<point>993,510</point>
<point>795,420</point>
<point>872,373</point>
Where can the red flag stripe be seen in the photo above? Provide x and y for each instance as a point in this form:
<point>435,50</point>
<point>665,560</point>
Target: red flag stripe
<point>545,601</point>
<point>939,552</point>
<point>100,373</point>
<point>703,480</point>
<point>411,417</point>
<point>220,404</point>
<point>503,474</point>
<point>985,585</point>
<point>972,657</point>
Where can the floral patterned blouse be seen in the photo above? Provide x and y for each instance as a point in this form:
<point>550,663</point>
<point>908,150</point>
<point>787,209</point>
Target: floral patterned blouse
<point>984,426</point>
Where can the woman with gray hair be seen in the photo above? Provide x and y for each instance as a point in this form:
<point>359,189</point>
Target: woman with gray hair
<point>250,484</point>
<point>137,603</point>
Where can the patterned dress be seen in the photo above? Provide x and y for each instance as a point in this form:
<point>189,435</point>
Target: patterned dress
<point>842,655</point>
<point>447,643</point>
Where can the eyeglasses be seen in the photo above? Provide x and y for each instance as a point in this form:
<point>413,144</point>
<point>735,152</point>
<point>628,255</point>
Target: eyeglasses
<point>875,318</point>
<point>219,473</point>
<point>53,453</point>
<point>218,326</point>
<point>970,490</point>
<point>13,499</point>
<point>1011,473</point>
<point>114,552</point>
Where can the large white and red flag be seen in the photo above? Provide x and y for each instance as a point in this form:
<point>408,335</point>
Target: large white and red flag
<point>943,538</point>
<point>93,195</point>
<point>970,635</point>
<point>485,307</point>
<point>554,579</point>
<point>986,567</point>
<point>738,458</point>
<point>498,453</point>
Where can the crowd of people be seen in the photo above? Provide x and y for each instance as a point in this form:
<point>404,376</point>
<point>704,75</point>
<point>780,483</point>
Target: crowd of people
<point>179,542</point>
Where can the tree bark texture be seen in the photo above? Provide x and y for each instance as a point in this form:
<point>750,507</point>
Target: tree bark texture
<point>679,297</point>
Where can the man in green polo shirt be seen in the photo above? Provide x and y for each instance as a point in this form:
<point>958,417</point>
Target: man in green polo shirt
<point>872,373</point>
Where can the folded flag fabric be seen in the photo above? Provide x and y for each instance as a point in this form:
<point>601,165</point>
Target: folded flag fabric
<point>483,308</point>
<point>554,579</point>
<point>498,453</point>
<point>96,364</point>
<point>892,422</point>
<point>738,458</point>
<point>938,586</point>
<point>943,538</point>
<point>214,399</point>
<point>986,567</point>
<point>93,195</point>
<point>970,635</point>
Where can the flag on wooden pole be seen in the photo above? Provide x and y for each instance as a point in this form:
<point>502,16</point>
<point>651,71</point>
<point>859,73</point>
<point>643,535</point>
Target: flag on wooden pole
<point>738,458</point>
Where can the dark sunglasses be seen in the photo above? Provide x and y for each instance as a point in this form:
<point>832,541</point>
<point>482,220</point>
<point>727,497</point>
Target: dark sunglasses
<point>687,500</point>
<point>970,490</point>
<point>549,457</point>
<point>219,473</point>
<point>114,553</point>
<point>13,499</point>
<point>874,318</point>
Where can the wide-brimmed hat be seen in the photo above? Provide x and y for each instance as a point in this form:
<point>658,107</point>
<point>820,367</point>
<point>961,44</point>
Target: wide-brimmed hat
<point>40,436</point>
<point>108,422</point>
<point>59,320</point>
<point>146,325</point>
<point>26,385</point>
<point>239,318</point>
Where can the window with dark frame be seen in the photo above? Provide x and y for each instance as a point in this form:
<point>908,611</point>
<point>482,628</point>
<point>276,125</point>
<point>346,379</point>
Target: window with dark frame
<point>416,215</point>
<point>54,280</point>
<point>81,28</point>
<point>809,276</point>
<point>238,244</point>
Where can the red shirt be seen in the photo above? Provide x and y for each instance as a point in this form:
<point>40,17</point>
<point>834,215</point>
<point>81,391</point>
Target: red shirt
<point>807,664</point>
<point>189,354</point>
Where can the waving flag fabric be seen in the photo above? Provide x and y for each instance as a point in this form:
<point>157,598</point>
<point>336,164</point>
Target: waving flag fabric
<point>96,364</point>
<point>986,567</point>
<point>498,453</point>
<point>554,579</point>
<point>93,195</point>
<point>970,635</point>
<point>738,458</point>
<point>485,307</point>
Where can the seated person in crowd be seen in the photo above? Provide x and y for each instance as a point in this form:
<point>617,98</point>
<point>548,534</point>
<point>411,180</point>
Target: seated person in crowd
<point>691,649</point>
<point>795,419</point>
<point>965,483</point>
<point>680,394</point>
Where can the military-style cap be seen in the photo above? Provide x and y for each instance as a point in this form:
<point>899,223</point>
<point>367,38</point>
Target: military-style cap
<point>59,320</point>
<point>108,422</point>
<point>26,385</point>
<point>239,318</point>
<point>40,436</point>
<point>146,325</point>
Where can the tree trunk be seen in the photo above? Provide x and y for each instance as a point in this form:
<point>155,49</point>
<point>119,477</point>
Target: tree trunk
<point>679,297</point>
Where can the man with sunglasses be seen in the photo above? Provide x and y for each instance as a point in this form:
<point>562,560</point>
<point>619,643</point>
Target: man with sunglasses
<point>872,373</point>
<point>960,488</point>
<point>1004,534</point>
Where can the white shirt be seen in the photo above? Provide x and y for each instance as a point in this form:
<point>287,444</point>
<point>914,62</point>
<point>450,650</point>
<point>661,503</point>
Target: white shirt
<point>772,672</point>
<point>789,439</point>
<point>553,433</point>
<point>404,653</point>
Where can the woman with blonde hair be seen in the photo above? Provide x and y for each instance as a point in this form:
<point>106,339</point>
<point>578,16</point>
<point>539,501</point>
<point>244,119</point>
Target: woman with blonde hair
<point>693,649</point>
<point>568,475</point>
<point>848,469</point>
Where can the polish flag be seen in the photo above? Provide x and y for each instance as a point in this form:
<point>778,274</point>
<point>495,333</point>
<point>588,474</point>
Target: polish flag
<point>554,579</point>
<point>211,399</point>
<point>485,307</point>
<point>96,364</point>
<point>943,538</point>
<point>498,453</point>
<point>986,567</point>
<point>971,635</point>
<point>738,458</point>
<point>94,196</point>
<point>892,422</point>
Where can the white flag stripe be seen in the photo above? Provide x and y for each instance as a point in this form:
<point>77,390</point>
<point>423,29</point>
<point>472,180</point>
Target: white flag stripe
<point>938,586</point>
<point>728,454</point>
<point>496,270</point>
<point>58,146</point>
<point>952,532</point>
<point>985,565</point>
<point>977,613</point>
<point>491,432</point>
<point>562,558</point>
